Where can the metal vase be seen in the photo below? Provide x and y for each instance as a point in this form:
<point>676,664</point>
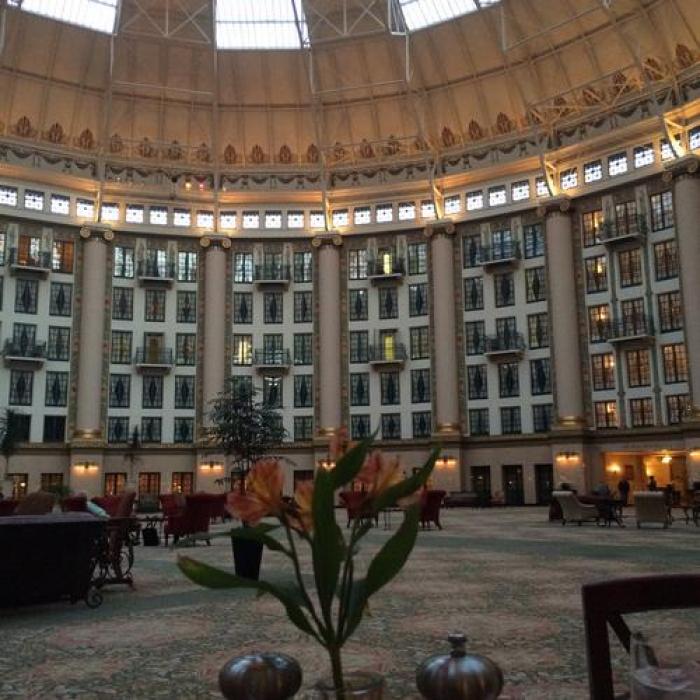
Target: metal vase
<point>263,676</point>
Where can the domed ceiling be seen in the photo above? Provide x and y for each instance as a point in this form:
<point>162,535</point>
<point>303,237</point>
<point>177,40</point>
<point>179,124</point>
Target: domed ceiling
<point>363,88</point>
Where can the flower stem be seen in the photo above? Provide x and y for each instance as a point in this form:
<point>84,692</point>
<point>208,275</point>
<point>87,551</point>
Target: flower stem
<point>337,670</point>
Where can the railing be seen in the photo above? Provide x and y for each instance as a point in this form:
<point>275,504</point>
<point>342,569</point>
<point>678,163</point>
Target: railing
<point>272,273</point>
<point>29,350</point>
<point>504,252</point>
<point>379,268</point>
<point>156,270</point>
<point>21,259</point>
<point>154,356</point>
<point>382,353</point>
<point>610,231</point>
<point>272,358</point>
<point>631,327</point>
<point>510,342</point>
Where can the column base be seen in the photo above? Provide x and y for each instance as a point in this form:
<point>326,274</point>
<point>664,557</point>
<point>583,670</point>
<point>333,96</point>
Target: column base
<point>448,430</point>
<point>569,423</point>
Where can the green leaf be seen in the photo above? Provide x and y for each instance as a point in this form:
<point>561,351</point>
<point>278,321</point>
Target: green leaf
<point>211,577</point>
<point>348,466</point>
<point>407,486</point>
<point>258,534</point>
<point>327,545</point>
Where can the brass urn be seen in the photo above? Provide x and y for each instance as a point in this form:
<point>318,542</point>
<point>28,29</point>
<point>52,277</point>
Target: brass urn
<point>263,676</point>
<point>458,675</point>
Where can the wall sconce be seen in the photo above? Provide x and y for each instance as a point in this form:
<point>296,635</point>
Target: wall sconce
<point>567,457</point>
<point>614,468</point>
<point>85,467</point>
<point>694,453</point>
<point>666,459</point>
<point>326,464</point>
<point>211,466</point>
<point>446,462</point>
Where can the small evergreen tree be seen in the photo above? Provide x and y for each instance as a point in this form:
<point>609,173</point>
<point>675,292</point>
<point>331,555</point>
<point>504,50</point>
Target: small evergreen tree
<point>131,454</point>
<point>244,428</point>
<point>10,435</point>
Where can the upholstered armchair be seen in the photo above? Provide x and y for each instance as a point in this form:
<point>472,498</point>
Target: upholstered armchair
<point>194,519</point>
<point>430,503</point>
<point>651,507</point>
<point>573,510</point>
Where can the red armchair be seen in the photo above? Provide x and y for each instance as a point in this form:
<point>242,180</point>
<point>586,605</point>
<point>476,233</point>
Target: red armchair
<point>110,504</point>
<point>7,506</point>
<point>74,504</point>
<point>354,502</point>
<point>194,519</point>
<point>171,504</point>
<point>430,503</point>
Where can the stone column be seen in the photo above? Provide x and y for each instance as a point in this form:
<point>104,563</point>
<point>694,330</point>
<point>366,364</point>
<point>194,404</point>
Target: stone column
<point>563,311</point>
<point>686,202</point>
<point>447,415</point>
<point>213,361</point>
<point>88,417</point>
<point>329,375</point>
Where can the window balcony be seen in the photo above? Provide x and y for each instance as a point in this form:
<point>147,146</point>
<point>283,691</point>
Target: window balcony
<point>24,262</point>
<point>611,233</point>
<point>634,329</point>
<point>272,275</point>
<point>148,359</point>
<point>506,254</point>
<point>24,353</point>
<point>271,360</point>
<point>156,273</point>
<point>382,354</point>
<point>499,346</point>
<point>386,269</point>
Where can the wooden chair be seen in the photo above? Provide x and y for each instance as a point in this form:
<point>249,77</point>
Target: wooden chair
<point>354,502</point>
<point>605,602</point>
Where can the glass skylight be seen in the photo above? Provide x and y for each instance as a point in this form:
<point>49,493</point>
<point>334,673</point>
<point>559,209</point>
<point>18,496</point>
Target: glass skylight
<point>99,15</point>
<point>424,13</point>
<point>260,24</point>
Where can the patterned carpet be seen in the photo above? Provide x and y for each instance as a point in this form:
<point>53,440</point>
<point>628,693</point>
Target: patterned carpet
<point>507,578</point>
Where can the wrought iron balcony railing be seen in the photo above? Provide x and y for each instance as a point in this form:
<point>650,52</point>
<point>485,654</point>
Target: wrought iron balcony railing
<point>504,343</point>
<point>633,227</point>
<point>25,350</point>
<point>636,326</point>
<point>386,267</point>
<point>272,358</point>
<point>153,270</point>
<point>387,353</point>
<point>507,252</point>
<point>154,356</point>
<point>40,261</point>
<point>272,273</point>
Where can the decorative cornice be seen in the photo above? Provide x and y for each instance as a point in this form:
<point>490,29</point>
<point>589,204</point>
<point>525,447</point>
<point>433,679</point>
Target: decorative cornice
<point>687,166</point>
<point>331,238</point>
<point>557,205</point>
<point>441,227</point>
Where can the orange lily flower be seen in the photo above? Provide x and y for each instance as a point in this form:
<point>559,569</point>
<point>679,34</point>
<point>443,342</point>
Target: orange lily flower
<point>379,473</point>
<point>263,494</point>
<point>303,496</point>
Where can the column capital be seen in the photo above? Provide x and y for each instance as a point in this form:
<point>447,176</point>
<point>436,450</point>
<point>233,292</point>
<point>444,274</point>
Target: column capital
<point>687,166</point>
<point>212,242</point>
<point>97,232</point>
<point>331,238</point>
<point>556,205</point>
<point>441,227</point>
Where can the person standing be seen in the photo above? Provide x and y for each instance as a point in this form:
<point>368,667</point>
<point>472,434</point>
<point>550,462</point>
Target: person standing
<point>623,489</point>
<point>651,486</point>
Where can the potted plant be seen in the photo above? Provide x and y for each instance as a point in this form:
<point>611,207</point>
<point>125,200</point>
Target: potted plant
<point>332,609</point>
<point>245,430</point>
<point>10,437</point>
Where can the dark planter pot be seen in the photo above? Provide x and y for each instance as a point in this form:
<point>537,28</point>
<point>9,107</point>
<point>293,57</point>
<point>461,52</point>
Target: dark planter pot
<point>247,556</point>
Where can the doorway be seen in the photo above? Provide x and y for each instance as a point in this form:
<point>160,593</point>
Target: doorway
<point>513,484</point>
<point>544,481</point>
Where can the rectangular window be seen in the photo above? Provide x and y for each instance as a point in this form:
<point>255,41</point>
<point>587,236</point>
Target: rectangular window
<point>243,267</point>
<point>504,289</point>
<point>152,396</point>
<point>359,389</point>
<point>242,387</point>
<point>26,296</point>
<point>187,307</point>
<point>453,204</point>
<point>407,211</point>
<point>520,191</point>
<point>33,200</point>
<point>534,240</point>
<point>388,302</point>
<point>340,218</point>
<point>184,391</point>
<point>303,391</point>
<point>303,308</point>
<point>303,267</point>
<point>272,392</point>
<point>391,426</point>
<point>357,264</point>
<point>596,274</point>
<point>359,346</point>
<point>151,430</point>
<point>427,209</point>
<point>303,428</point>
<point>8,196</point>
<point>273,219</point>
<point>182,482</point>
<point>185,349</point>
<point>617,164</point>
<point>473,293</point>
<point>134,214</point>
<point>638,368</point>
<point>54,428</point>
<point>420,386</point>
<point>182,217</point>
<point>119,390</point>
<point>384,213</point>
<point>598,323</point>
<point>357,304</point>
<point>474,334</point>
<point>479,422</point>
<point>317,219</point>
<point>117,431</point>
<point>154,308</point>
<point>149,483</point>
<point>418,299</point>
<point>508,379</point>
<point>661,210</point>
<point>475,200</point>
<point>59,343</point>
<point>630,262</point>
<point>122,304</point>
<point>569,179</point>
<point>187,266</point>
<point>242,307</point>
<point>123,262</point>
<point>540,377</point>
<point>605,414</point>
<point>120,353</point>
<point>634,321</point>
<point>422,424</point>
<point>85,209</point>
<point>643,155</point>
<point>62,255</point>
<point>110,211</point>
<point>471,251</point>
<point>641,413</point>
<point>535,284</point>
<point>303,348</point>
<point>29,252</point>
<point>590,223</point>
<point>359,427</point>
<point>510,420</point>
<point>272,307</point>
<point>362,215</point>
<point>542,418</point>
<point>51,481</point>
<point>694,138</point>
<point>670,312</point>
<point>420,343</point>
<point>497,196</point>
<point>183,430</point>
<point>666,259</point>
<point>676,407</point>
<point>675,363</point>
<point>417,259</point>
<point>603,370</point>
<point>538,331</point>
<point>2,247</point>
<point>592,172</point>
<point>478,386</point>
<point>626,221</point>
<point>541,187</point>
<point>56,393</point>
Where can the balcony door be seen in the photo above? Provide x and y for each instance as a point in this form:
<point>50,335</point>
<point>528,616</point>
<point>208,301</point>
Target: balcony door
<point>29,250</point>
<point>387,341</point>
<point>153,344</point>
<point>386,260</point>
<point>502,244</point>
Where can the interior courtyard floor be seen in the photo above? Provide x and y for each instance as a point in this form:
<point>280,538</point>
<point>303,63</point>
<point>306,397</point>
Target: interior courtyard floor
<point>505,577</point>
